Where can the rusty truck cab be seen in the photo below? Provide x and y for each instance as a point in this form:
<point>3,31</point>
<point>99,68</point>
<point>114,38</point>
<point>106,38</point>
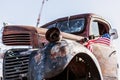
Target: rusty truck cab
<point>66,59</point>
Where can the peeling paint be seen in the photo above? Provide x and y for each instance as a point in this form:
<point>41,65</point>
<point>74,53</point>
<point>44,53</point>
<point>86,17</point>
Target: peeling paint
<point>59,50</point>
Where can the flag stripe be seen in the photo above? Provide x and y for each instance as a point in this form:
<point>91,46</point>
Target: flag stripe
<point>101,40</point>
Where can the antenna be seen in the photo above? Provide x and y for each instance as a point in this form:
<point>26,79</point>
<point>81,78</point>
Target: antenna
<point>39,16</point>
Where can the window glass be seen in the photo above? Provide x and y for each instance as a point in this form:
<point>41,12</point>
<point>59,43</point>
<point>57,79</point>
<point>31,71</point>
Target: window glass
<point>70,26</point>
<point>63,26</point>
<point>77,25</point>
<point>95,29</point>
<point>98,28</point>
<point>52,25</point>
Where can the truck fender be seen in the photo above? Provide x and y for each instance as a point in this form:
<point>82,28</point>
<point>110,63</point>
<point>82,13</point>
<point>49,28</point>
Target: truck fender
<point>56,57</point>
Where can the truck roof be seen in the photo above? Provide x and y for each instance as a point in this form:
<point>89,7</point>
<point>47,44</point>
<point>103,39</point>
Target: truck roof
<point>85,15</point>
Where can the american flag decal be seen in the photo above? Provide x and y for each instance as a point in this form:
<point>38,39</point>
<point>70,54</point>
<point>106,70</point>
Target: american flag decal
<point>105,39</point>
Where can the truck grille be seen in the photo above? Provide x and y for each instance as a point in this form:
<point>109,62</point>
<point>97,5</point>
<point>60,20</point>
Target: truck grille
<point>16,66</point>
<point>17,39</point>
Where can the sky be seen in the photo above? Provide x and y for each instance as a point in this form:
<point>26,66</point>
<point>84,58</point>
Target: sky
<point>25,12</point>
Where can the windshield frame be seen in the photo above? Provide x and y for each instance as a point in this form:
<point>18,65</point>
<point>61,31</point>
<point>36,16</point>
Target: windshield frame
<point>65,25</point>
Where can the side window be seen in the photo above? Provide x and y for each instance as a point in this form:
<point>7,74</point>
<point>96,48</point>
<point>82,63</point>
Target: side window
<point>94,29</point>
<point>98,28</point>
<point>103,28</point>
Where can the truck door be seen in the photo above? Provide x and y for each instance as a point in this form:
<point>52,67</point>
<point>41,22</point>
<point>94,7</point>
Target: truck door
<point>105,54</point>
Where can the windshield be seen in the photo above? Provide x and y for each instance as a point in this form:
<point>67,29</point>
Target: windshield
<point>70,26</point>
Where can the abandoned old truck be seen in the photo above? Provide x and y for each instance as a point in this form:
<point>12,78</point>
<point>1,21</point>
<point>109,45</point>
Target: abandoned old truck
<point>71,48</point>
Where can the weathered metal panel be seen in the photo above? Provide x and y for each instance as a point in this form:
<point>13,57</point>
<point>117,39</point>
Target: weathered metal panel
<point>29,35</point>
<point>107,59</point>
<point>19,35</point>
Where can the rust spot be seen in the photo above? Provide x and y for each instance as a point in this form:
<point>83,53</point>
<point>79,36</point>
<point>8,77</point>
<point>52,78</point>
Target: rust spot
<point>59,50</point>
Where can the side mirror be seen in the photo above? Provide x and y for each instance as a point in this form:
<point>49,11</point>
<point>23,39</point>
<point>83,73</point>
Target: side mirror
<point>113,33</point>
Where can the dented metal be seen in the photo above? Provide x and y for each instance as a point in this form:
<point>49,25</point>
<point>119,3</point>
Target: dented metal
<point>57,55</point>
